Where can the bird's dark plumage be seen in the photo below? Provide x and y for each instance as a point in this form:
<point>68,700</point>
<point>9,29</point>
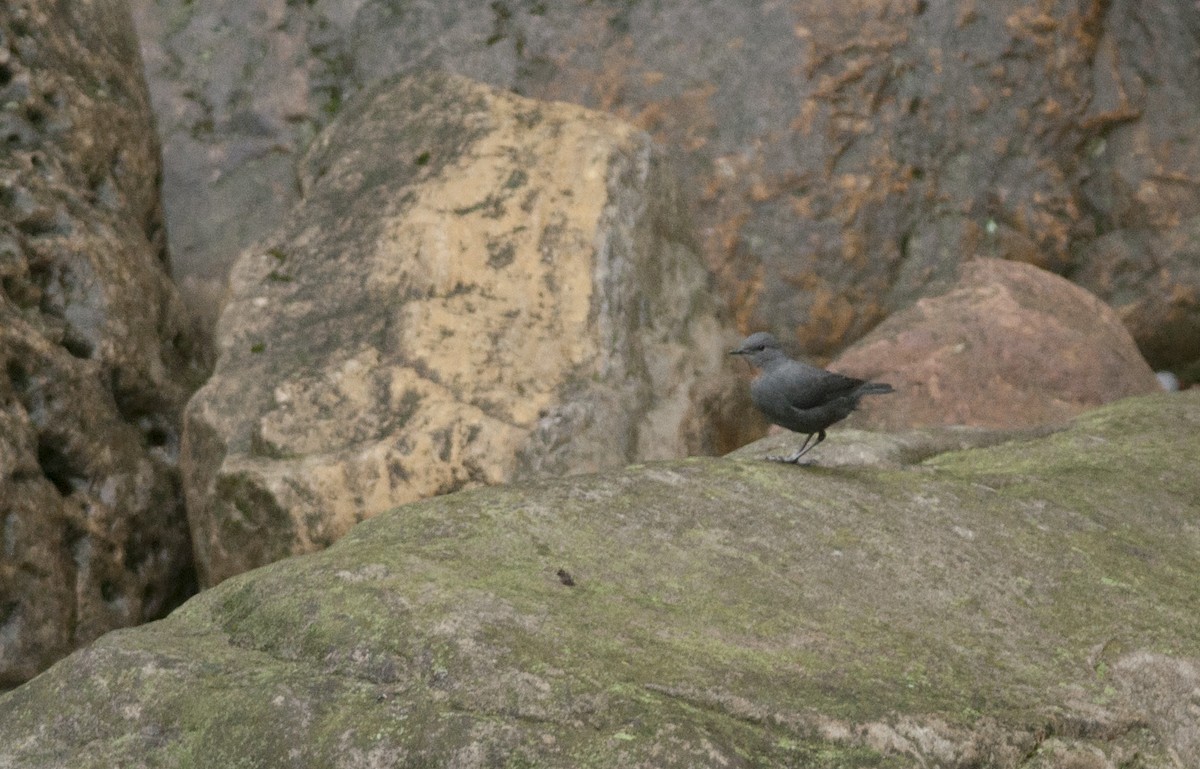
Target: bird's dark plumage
<point>800,397</point>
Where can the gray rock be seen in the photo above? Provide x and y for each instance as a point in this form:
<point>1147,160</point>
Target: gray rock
<point>852,447</point>
<point>1028,604</point>
<point>95,346</point>
<point>1168,381</point>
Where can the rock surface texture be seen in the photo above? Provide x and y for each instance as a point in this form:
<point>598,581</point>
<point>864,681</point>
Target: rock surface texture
<point>1005,345</point>
<point>94,343</point>
<point>1031,604</point>
<point>476,287</point>
<point>839,156</point>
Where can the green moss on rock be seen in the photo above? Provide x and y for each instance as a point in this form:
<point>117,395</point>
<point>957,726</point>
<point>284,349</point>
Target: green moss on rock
<point>723,613</point>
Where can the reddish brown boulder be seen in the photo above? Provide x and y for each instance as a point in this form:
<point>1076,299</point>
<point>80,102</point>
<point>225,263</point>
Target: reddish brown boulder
<point>1008,345</point>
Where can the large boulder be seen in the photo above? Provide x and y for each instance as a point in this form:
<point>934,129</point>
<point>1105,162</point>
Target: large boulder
<point>840,156</point>
<point>94,343</point>
<point>1032,604</point>
<point>476,287</point>
<point>1005,345</point>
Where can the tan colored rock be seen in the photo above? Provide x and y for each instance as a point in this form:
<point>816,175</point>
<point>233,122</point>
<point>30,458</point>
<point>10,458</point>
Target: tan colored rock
<point>475,287</point>
<point>1008,345</point>
<point>94,343</point>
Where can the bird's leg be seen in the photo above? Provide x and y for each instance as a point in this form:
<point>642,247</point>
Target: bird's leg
<point>793,457</point>
<point>806,448</point>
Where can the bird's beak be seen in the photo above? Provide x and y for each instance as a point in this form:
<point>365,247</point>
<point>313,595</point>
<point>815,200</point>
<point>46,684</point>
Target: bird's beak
<point>738,351</point>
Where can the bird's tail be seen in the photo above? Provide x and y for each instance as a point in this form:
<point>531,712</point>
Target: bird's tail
<point>875,388</point>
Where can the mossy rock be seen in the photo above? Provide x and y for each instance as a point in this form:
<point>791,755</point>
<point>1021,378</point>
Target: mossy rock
<point>1032,603</point>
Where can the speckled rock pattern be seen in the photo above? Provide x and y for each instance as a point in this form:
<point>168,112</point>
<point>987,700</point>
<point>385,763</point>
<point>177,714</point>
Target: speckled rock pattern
<point>838,157</point>
<point>94,344</point>
<point>1031,604</point>
<point>476,287</point>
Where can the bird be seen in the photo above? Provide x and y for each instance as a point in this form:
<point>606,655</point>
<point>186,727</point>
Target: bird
<point>803,398</point>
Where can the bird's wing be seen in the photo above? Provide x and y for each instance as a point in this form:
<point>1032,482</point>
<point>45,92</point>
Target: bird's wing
<point>806,387</point>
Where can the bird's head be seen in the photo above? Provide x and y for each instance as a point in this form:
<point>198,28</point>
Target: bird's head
<point>760,349</point>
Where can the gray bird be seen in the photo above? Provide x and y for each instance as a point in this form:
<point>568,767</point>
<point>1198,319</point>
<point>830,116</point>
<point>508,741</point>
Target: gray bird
<point>800,397</point>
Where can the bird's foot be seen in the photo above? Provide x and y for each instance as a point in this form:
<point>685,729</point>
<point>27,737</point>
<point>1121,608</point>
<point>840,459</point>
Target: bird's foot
<point>792,460</point>
<point>794,457</point>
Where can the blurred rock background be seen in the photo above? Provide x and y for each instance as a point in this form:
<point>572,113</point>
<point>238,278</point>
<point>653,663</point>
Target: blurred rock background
<point>837,158</point>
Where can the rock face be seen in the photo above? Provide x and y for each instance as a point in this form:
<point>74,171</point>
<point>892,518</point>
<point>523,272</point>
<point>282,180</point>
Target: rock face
<point>477,287</point>
<point>93,341</point>
<point>1026,605</point>
<point>840,156</point>
<point>1007,345</point>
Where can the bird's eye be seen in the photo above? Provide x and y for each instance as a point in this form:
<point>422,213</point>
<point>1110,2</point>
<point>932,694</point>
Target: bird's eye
<point>760,347</point>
